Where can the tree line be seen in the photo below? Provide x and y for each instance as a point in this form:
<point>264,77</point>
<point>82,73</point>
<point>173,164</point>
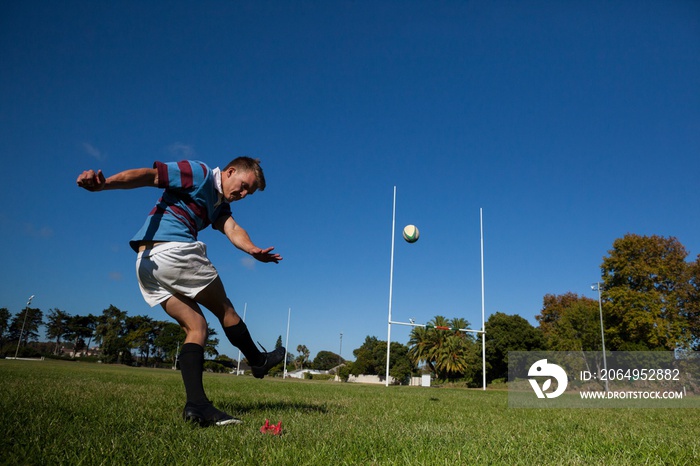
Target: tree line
<point>650,300</point>
<point>121,338</point>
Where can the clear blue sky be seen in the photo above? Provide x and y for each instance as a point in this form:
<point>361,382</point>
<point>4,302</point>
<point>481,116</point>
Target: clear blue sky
<point>569,123</point>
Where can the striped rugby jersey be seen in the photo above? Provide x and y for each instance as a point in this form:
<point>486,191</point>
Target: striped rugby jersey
<point>190,202</point>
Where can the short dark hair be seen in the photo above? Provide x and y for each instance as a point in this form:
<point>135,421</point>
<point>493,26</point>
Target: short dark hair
<point>249,164</point>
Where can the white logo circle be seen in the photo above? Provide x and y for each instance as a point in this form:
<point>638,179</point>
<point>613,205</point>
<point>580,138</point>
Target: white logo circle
<point>542,368</point>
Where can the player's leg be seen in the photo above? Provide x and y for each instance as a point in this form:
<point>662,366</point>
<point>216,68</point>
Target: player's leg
<point>198,407</point>
<point>214,298</point>
<point>188,314</point>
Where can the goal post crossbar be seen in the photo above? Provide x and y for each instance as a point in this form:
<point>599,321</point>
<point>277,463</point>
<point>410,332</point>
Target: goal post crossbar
<point>437,327</point>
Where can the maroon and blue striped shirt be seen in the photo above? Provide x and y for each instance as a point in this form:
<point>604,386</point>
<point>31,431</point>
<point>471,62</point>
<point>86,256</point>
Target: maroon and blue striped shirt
<point>190,203</point>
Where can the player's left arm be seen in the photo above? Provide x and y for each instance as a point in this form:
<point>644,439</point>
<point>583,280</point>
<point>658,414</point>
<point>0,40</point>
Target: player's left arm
<point>240,238</point>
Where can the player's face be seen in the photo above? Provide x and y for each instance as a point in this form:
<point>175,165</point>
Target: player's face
<point>237,184</point>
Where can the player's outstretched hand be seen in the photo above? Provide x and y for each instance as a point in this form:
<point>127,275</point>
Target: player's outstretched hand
<point>92,181</point>
<point>266,255</point>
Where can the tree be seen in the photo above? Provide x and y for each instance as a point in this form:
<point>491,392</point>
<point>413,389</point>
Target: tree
<point>400,366</point>
<point>570,322</point>
<point>303,357</point>
<point>30,324</point>
<point>449,353</point>
<point>370,359</point>
<point>57,326</point>
<point>326,360</point>
<point>110,332</point>
<point>4,322</point>
<point>83,327</point>
<point>422,347</point>
<point>211,343</point>
<point>508,333</point>
<point>366,360</point>
<point>169,340</point>
<point>424,342</point>
<point>692,300</point>
<point>649,294</point>
<point>141,332</point>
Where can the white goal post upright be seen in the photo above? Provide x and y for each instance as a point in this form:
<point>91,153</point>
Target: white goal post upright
<point>391,286</point>
<point>286,344</point>
<point>483,322</point>
<point>412,324</point>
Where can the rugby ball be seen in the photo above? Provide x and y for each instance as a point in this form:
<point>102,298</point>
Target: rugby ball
<point>411,233</point>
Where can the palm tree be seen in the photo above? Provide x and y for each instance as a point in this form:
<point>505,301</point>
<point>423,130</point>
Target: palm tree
<point>421,347</point>
<point>303,357</point>
<point>443,347</point>
<point>211,343</point>
<point>459,323</point>
<point>425,343</point>
<point>452,361</point>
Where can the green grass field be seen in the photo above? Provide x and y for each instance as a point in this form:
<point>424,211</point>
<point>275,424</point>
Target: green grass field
<point>56,412</point>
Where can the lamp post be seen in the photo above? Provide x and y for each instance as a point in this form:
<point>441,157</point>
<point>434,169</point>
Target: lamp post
<point>26,312</point>
<point>596,287</point>
<point>340,357</point>
<point>177,355</point>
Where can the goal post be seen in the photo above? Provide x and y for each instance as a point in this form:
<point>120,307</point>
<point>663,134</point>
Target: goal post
<point>391,322</point>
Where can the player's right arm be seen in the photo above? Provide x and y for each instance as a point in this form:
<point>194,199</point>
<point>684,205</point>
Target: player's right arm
<point>128,179</point>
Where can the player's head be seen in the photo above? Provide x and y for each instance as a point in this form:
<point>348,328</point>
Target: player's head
<point>247,164</point>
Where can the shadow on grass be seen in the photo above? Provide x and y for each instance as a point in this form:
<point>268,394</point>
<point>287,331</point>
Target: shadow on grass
<point>276,406</point>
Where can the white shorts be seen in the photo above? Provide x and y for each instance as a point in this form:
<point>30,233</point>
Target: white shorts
<point>173,268</point>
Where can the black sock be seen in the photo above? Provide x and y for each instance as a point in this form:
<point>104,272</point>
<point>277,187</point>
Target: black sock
<point>239,336</point>
<point>191,367</point>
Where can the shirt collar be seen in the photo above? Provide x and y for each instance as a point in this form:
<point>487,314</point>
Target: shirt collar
<point>216,173</point>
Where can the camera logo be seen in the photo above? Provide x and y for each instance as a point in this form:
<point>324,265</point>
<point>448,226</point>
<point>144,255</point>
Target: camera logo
<point>544,369</point>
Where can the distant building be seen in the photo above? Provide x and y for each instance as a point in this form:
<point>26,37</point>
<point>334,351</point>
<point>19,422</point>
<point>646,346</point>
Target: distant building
<point>68,349</point>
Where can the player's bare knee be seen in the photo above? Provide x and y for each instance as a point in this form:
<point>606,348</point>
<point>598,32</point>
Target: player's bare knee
<point>196,335</point>
<point>229,316</point>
